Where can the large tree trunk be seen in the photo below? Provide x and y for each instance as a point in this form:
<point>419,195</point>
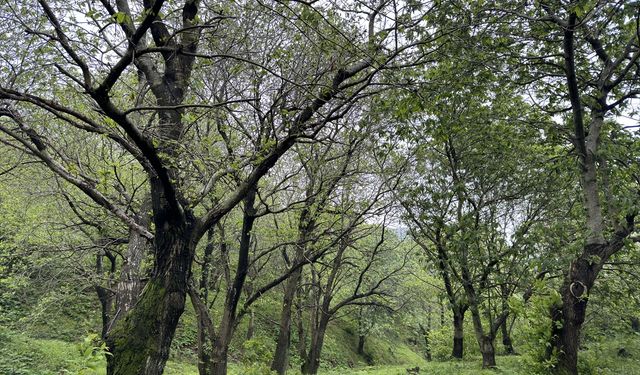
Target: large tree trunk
<point>204,348</point>
<point>485,341</point>
<point>140,342</point>
<point>220,351</point>
<point>458,333</point>
<point>569,317</point>
<point>488,351</point>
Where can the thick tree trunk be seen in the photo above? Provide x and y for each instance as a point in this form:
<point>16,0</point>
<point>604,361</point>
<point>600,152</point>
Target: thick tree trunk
<point>140,342</point>
<point>488,352</point>
<point>458,333</point>
<point>485,340</point>
<point>220,351</point>
<point>204,348</point>
<point>569,317</point>
<point>280,362</point>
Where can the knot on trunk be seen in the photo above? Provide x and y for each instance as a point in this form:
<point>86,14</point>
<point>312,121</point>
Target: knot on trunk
<point>578,289</point>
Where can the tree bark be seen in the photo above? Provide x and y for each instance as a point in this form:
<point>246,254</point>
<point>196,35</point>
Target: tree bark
<point>485,341</point>
<point>426,333</point>
<point>361,341</point>
<point>131,277</point>
<point>488,351</point>
<point>206,334</point>
<point>250,326</point>
<point>280,362</point>
<point>569,317</point>
<point>458,333</point>
<point>302,333</point>
<point>228,322</point>
<point>306,224</point>
<point>312,361</point>
<point>139,343</point>
<point>635,324</point>
<point>506,340</point>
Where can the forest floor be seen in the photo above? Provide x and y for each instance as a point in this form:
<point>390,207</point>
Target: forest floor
<point>24,355</point>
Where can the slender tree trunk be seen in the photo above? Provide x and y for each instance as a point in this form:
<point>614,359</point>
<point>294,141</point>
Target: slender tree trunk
<point>302,333</point>
<point>199,300</point>
<point>458,333</point>
<point>506,339</point>
<point>312,361</point>
<point>361,341</point>
<point>280,362</point>
<point>250,325</point>
<point>206,335</point>
<point>228,322</point>
<point>426,333</point>
<point>106,306</point>
<point>105,295</point>
<point>131,277</point>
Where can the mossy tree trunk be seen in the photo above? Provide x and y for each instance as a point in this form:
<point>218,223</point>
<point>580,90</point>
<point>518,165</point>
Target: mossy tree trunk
<point>139,343</point>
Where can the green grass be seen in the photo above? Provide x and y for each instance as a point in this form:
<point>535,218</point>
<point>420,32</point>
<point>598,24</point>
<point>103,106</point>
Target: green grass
<point>24,355</point>
<point>506,365</point>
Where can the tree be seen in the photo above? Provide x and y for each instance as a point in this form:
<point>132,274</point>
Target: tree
<point>474,195</point>
<point>325,168</point>
<point>580,59</point>
<point>165,84</point>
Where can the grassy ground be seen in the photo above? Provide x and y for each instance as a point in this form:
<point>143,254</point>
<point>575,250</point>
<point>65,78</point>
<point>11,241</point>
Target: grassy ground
<point>23,355</point>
